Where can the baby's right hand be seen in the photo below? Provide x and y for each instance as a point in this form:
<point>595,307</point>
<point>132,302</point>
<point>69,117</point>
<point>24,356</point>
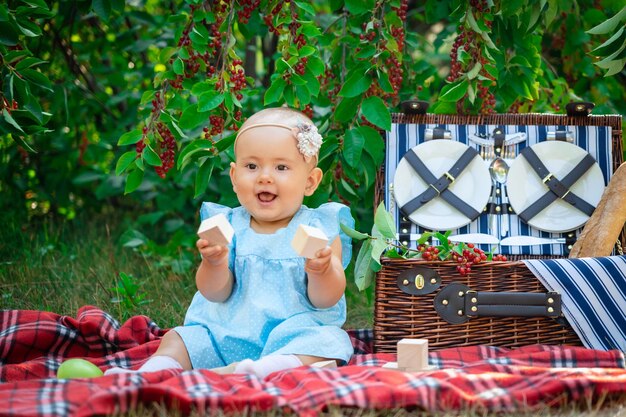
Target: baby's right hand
<point>213,254</point>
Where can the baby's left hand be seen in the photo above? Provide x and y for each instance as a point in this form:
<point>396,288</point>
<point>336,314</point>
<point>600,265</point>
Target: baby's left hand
<point>321,263</point>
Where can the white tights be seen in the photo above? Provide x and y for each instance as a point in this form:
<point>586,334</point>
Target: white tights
<point>261,368</point>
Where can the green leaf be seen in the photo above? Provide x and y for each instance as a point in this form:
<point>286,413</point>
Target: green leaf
<point>37,78</point>
<point>303,94</point>
<point>612,67</point>
<point>309,30</point>
<point>357,7</point>
<point>363,272</point>
<point>130,138</point>
<point>353,147</point>
<point>354,234</point>
<point>473,73</point>
<point>347,108</point>
<point>374,143</point>
<point>608,25</point>
<point>102,9</point>
<point>29,62</point>
<point>315,65</point>
<point>203,176</point>
<point>424,237</point>
<point>378,247</point>
<point>196,149</point>
<point>454,92</point>
<point>124,162</point>
<point>10,120</point>
<point>383,81</point>
<point>191,118</point>
<point>306,7</point>
<point>384,222</point>
<point>469,17</point>
<point>151,157</point>
<point>608,48</point>
<point>306,50</point>
<point>275,91</point>
<point>357,83</point>
<point>179,67</point>
<point>8,34</point>
<point>209,100</point>
<point>312,83</point>
<point>375,111</point>
<point>133,181</point>
<point>28,28</point>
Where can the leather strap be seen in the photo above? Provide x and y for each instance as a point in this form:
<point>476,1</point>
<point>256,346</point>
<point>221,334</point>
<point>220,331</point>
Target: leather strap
<point>498,141</point>
<point>439,186</point>
<point>558,188</point>
<point>457,303</point>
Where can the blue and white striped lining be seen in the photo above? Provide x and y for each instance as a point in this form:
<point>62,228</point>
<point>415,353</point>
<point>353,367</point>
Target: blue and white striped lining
<point>593,295</point>
<point>594,139</point>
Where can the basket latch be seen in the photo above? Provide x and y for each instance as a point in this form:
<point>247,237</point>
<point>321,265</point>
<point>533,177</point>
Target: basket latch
<point>457,303</point>
<point>419,280</point>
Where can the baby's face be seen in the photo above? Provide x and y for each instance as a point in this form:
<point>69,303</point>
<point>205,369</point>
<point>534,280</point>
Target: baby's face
<point>271,177</point>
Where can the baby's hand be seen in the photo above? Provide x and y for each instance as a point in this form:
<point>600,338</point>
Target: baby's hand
<point>321,263</point>
<point>212,254</point>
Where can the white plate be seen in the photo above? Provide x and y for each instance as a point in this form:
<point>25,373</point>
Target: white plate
<point>473,185</point>
<point>525,187</point>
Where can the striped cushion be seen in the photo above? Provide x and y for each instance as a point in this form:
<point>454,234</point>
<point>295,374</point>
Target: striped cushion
<point>593,293</point>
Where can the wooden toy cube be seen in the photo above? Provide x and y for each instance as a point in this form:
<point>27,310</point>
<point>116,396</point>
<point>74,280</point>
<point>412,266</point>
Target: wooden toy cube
<point>308,240</point>
<point>216,230</point>
<point>413,354</point>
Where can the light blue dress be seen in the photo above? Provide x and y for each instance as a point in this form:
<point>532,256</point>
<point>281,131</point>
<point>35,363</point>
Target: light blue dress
<point>268,310</point>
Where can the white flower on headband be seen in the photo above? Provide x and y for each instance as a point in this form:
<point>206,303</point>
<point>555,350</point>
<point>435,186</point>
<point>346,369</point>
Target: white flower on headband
<point>309,140</point>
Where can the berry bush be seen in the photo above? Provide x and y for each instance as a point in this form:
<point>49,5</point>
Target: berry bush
<point>112,105</point>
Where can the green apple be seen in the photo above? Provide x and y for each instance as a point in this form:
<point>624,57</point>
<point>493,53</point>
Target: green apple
<point>78,368</point>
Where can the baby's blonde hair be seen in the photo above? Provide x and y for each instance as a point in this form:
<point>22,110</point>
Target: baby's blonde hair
<point>282,115</point>
<point>301,126</point>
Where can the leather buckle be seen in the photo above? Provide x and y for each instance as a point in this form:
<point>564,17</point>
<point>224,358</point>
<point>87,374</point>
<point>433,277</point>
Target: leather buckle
<point>449,177</point>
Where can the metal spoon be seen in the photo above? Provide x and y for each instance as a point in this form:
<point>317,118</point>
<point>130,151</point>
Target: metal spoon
<point>499,171</point>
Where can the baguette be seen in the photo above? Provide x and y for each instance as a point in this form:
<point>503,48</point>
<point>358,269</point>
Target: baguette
<point>603,228</point>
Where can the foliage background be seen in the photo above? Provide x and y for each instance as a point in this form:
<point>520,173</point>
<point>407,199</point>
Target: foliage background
<point>129,109</point>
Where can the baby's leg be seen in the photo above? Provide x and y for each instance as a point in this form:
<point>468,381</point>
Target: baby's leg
<point>272,363</point>
<point>171,354</point>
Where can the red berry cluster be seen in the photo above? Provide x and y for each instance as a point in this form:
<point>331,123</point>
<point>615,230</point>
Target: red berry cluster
<point>464,254</point>
<point>237,78</point>
<point>472,44</point>
<point>248,6</point>
<point>401,11</point>
<point>269,18</point>
<point>395,73</point>
<point>469,256</point>
<point>488,103</point>
<point>369,36</point>
<point>217,125</point>
<point>308,111</point>
<point>300,67</point>
<point>428,252</point>
<point>168,150</point>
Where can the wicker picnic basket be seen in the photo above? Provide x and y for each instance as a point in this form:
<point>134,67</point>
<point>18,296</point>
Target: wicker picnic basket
<point>406,290</point>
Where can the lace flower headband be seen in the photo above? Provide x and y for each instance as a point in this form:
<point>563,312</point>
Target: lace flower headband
<point>309,139</point>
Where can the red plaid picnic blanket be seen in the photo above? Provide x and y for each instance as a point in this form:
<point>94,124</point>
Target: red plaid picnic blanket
<point>33,344</point>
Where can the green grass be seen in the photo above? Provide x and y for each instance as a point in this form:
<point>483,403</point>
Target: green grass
<point>63,265</point>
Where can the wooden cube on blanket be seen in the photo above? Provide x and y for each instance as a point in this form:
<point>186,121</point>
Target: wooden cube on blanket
<point>217,230</point>
<point>308,240</point>
<point>413,354</point>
